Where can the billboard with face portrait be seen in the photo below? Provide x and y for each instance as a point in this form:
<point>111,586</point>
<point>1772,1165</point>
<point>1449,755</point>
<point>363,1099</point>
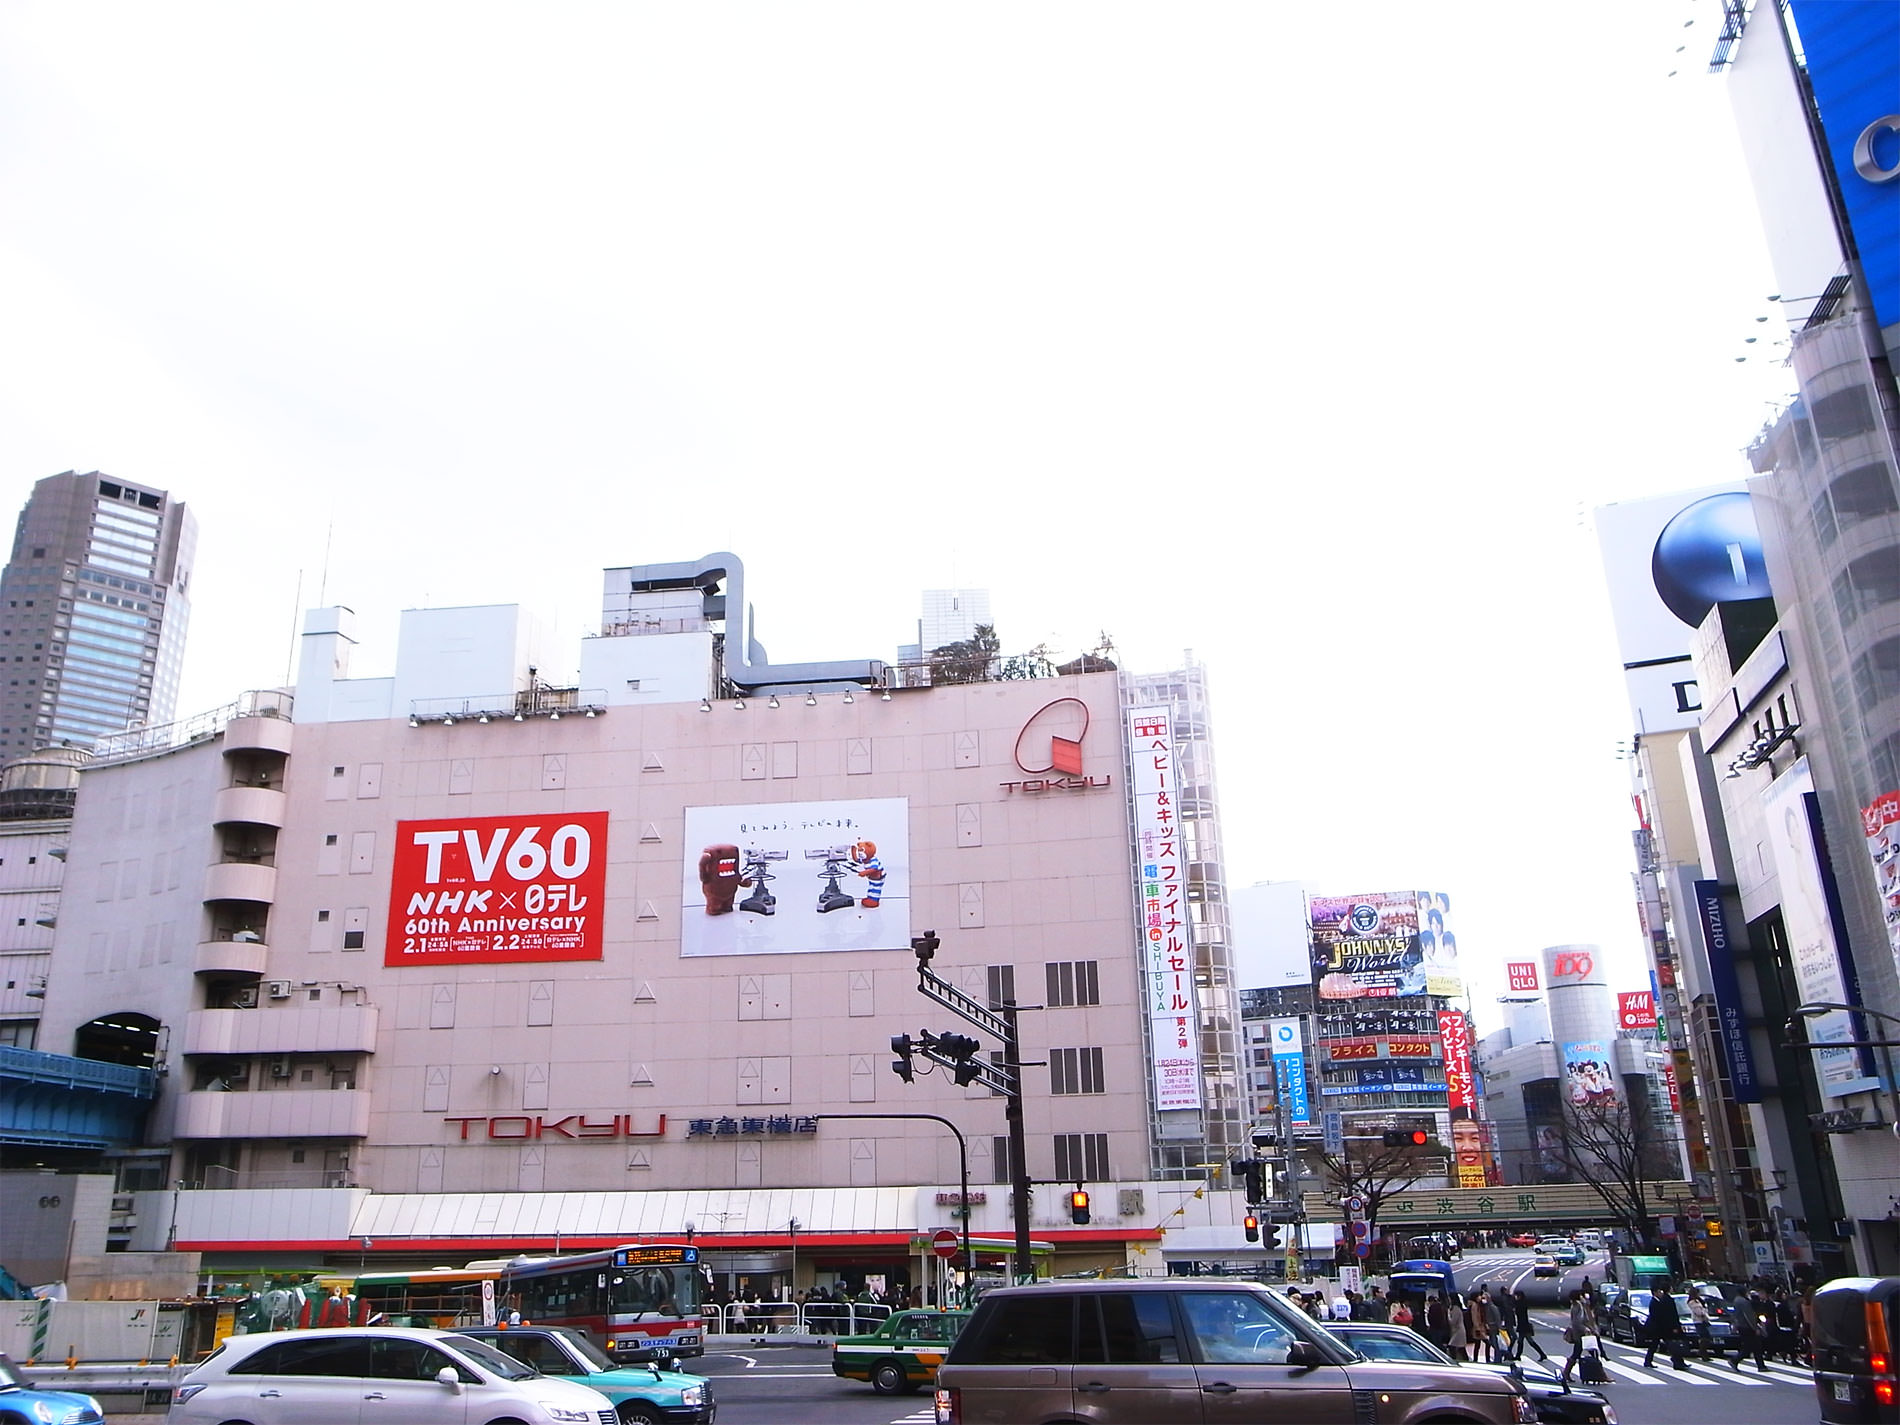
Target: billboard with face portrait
<point>788,878</point>
<point>1383,944</point>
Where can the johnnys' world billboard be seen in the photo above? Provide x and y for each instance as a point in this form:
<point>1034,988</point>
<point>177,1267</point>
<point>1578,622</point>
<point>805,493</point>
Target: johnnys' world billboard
<point>498,889</point>
<point>1383,944</point>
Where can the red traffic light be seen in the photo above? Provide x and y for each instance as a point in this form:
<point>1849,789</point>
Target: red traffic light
<point>1406,1137</point>
<point>1079,1208</point>
<point>1252,1224</point>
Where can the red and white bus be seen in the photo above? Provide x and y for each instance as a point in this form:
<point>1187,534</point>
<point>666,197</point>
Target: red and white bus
<point>638,1302</point>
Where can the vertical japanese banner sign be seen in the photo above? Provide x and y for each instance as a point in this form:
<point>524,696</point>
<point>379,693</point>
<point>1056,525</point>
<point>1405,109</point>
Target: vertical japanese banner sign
<point>1881,823</point>
<point>1822,968</point>
<point>1289,1069</point>
<point>1728,992</point>
<point>1161,879</point>
<point>1455,1030</point>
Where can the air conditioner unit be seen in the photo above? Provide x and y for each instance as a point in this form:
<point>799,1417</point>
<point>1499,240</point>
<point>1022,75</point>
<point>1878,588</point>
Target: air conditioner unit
<point>279,989</point>
<point>244,999</point>
<point>280,1068</point>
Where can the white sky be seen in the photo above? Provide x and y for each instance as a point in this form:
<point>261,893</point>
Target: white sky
<point>1303,336</point>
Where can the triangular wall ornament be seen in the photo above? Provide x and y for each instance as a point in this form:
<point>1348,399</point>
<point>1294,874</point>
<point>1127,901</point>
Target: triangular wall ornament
<point>650,832</point>
<point>653,763</point>
<point>647,911</point>
<point>643,993</point>
<point>641,1075</point>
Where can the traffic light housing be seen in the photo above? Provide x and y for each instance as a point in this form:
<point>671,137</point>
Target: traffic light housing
<point>1270,1235</point>
<point>1406,1137</point>
<point>903,1046</point>
<point>1252,1224</point>
<point>1079,1208</point>
<point>962,1049</point>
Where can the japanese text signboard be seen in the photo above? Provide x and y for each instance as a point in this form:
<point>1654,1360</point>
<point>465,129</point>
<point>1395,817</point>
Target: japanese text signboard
<point>498,889</point>
<point>1383,944</point>
<point>1880,821</point>
<point>1167,951</point>
<point>1289,1066</point>
<point>1455,1031</point>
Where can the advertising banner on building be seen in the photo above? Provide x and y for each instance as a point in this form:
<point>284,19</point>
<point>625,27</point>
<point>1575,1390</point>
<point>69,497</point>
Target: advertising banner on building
<point>1454,1030</point>
<point>1589,1078</point>
<point>1635,1009</point>
<point>1371,1077</point>
<point>1289,1069</point>
<point>1852,54</point>
<point>1383,944</point>
<point>1728,992</point>
<point>1467,1149</point>
<point>1522,975</point>
<point>1167,953</point>
<point>791,878</point>
<point>1668,561</point>
<point>1881,823</point>
<point>1821,968</point>
<point>497,889</point>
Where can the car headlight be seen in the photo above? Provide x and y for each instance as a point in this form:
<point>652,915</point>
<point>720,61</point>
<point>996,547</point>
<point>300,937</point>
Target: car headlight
<point>568,1414</point>
<point>1609,1416</point>
<point>693,1395</point>
<point>1523,1410</point>
<point>66,1414</point>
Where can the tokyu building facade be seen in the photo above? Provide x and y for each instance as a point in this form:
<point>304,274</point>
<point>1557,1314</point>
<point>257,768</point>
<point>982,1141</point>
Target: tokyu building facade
<point>464,959</point>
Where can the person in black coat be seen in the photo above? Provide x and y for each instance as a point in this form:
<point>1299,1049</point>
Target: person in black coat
<point>1522,1327</point>
<point>1663,1327</point>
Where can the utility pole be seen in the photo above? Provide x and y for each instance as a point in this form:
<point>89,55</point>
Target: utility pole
<point>957,1053</point>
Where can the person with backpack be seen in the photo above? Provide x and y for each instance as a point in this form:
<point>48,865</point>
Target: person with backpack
<point>1401,1314</point>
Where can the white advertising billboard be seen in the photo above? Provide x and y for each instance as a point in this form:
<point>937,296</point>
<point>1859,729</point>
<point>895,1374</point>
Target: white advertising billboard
<point>1167,949</point>
<point>787,878</point>
<point>1668,561</point>
<point>1787,813</point>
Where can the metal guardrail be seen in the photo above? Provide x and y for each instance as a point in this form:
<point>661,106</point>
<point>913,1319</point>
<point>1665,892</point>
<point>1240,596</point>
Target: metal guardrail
<point>812,1318</point>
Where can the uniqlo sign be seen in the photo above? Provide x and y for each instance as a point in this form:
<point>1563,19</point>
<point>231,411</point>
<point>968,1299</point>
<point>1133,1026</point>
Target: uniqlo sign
<point>497,889</point>
<point>1523,974</point>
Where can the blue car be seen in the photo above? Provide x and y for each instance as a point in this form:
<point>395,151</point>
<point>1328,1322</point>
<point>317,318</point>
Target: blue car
<point>19,1401</point>
<point>641,1395</point>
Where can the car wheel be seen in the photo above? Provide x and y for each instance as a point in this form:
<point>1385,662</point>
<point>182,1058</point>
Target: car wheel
<point>638,1412</point>
<point>887,1378</point>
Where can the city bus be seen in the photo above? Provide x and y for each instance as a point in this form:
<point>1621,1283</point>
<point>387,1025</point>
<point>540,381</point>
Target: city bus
<point>443,1297</point>
<point>638,1302</point>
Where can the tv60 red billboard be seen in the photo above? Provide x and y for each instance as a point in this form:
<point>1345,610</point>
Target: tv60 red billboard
<point>496,889</point>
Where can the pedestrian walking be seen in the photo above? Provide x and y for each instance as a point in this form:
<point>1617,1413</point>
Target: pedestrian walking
<point>1459,1320</point>
<point>1752,1325</point>
<point>1582,1327</point>
<point>1699,1325</point>
<point>1526,1328</point>
<point>1662,1328</point>
<point>1437,1321</point>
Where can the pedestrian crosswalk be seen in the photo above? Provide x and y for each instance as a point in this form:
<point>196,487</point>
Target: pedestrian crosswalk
<point>1625,1364</point>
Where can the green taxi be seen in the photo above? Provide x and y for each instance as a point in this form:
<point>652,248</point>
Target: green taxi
<point>900,1355</point>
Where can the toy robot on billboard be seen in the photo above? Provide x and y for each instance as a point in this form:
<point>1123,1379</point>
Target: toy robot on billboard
<point>719,878</point>
<point>837,861</point>
<point>761,901</point>
<point>864,861</point>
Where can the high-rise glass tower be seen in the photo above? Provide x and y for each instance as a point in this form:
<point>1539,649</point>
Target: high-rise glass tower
<point>93,608</point>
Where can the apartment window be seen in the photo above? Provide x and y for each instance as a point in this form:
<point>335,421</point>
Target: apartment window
<point>1074,1071</point>
<point>1002,985</point>
<point>999,1159</point>
<point>1082,1158</point>
<point>19,1033</point>
<point>352,940</point>
<point>1073,982</point>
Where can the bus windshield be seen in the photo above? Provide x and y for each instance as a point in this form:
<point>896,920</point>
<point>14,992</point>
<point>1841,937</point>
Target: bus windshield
<point>660,1290</point>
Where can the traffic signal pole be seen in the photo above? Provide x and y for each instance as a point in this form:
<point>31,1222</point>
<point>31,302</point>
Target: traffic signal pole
<point>958,1054</point>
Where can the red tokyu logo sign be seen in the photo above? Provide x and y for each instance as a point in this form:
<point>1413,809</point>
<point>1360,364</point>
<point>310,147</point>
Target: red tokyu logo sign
<point>1049,749</point>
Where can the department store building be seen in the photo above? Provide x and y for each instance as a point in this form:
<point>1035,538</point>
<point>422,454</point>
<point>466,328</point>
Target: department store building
<point>466,960</point>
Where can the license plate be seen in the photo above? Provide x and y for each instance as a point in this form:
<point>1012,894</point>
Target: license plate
<point>689,1340</point>
<point>1843,1390</point>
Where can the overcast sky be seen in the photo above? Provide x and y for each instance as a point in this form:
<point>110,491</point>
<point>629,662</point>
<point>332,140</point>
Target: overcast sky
<point>1304,337</point>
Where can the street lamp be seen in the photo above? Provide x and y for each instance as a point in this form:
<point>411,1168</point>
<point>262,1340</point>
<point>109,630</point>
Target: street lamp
<point>1815,1008</point>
